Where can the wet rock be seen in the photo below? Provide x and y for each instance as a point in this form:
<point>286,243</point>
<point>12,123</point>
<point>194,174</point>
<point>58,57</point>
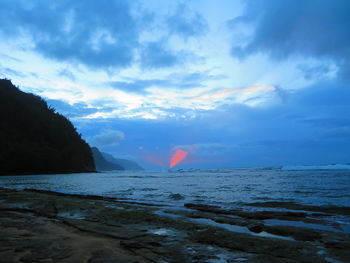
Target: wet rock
<point>257,228</point>
<point>298,233</point>
<point>274,248</point>
<point>256,215</point>
<point>341,210</point>
<point>176,197</point>
<point>262,215</point>
<point>148,241</point>
<point>239,260</point>
<point>201,207</point>
<point>332,260</point>
<point>339,244</point>
<point>40,251</point>
<point>204,258</point>
<point>31,231</point>
<point>105,256</point>
<point>107,230</point>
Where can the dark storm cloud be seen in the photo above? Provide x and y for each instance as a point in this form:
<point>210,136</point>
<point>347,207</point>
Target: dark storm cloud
<point>95,33</point>
<point>187,25</point>
<point>99,34</point>
<point>308,28</point>
<point>180,81</point>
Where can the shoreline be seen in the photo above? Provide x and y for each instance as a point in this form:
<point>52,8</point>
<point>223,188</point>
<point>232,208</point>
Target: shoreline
<point>50,173</point>
<point>138,232</point>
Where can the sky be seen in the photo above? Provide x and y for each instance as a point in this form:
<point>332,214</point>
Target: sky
<point>233,83</point>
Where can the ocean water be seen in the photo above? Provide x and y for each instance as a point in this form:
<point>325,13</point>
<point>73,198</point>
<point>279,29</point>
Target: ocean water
<point>224,187</point>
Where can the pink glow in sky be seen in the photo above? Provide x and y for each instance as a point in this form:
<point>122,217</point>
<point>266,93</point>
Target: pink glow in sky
<point>177,157</point>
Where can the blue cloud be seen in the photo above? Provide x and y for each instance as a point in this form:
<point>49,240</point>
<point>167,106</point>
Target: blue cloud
<point>314,72</point>
<point>138,85</point>
<point>10,58</point>
<point>106,137</point>
<point>67,74</point>
<point>308,28</point>
<point>158,55</point>
<point>310,127</point>
<point>182,81</point>
<point>98,34</point>
<point>76,110</point>
<point>4,71</point>
<point>185,24</point>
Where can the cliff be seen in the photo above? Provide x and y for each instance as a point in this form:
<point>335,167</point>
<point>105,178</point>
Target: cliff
<point>102,164</point>
<point>35,139</point>
<point>126,164</point>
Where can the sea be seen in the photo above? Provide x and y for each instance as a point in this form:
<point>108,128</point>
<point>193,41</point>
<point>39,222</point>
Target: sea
<point>323,185</point>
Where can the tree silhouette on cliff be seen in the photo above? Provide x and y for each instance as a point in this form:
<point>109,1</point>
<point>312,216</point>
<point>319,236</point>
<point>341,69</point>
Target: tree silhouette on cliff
<point>35,139</point>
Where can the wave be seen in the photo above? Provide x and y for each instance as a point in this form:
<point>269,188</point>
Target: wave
<point>317,167</point>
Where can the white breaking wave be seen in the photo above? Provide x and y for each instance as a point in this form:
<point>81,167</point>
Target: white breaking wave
<point>317,167</point>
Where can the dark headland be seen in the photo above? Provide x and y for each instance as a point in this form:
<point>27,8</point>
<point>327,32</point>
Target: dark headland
<point>101,163</point>
<point>35,139</point>
<point>107,162</point>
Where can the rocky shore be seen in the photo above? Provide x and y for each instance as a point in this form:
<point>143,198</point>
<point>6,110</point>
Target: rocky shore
<point>42,226</point>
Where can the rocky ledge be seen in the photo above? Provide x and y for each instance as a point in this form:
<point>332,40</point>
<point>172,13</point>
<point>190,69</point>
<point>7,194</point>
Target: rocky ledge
<point>41,226</point>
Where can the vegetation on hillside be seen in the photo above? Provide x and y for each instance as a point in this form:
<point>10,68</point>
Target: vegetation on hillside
<point>35,139</point>
<point>102,164</point>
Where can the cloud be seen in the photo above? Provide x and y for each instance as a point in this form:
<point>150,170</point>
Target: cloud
<point>76,110</point>
<point>309,127</point>
<point>317,29</point>
<point>314,72</point>
<point>102,35</point>
<point>11,58</point>
<point>175,80</point>
<point>252,96</point>
<point>157,54</point>
<point>138,85</point>
<point>179,103</point>
<point>205,148</point>
<point>5,72</point>
<point>186,24</point>
<point>107,137</point>
<point>67,74</point>
<point>98,34</point>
